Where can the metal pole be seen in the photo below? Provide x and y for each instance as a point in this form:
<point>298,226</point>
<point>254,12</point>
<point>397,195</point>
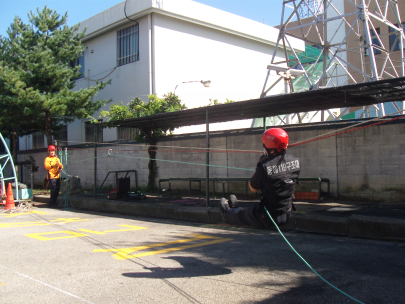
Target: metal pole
<point>207,188</point>
<point>325,44</point>
<point>95,161</point>
<point>264,124</point>
<point>32,184</point>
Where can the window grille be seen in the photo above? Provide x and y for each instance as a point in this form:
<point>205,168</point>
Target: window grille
<point>38,141</point>
<point>128,45</point>
<point>89,132</point>
<point>61,135</point>
<point>394,38</point>
<point>79,61</point>
<point>126,133</point>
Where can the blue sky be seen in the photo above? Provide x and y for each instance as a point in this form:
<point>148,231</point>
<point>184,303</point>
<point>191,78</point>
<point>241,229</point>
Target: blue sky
<point>267,11</point>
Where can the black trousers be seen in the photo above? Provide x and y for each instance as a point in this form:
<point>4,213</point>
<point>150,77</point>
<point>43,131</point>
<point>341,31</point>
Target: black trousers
<point>55,188</point>
<point>252,216</point>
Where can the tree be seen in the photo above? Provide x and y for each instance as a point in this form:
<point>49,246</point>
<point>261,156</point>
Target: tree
<point>39,79</point>
<point>138,108</point>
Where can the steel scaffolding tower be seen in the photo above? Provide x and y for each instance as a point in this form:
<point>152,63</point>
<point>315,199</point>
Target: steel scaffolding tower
<point>345,43</point>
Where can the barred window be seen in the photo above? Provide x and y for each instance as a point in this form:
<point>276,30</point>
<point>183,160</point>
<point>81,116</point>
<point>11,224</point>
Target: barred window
<point>394,38</point>
<point>89,132</point>
<point>374,41</point>
<point>126,133</point>
<point>128,45</point>
<point>38,141</point>
<point>61,135</point>
<point>79,61</point>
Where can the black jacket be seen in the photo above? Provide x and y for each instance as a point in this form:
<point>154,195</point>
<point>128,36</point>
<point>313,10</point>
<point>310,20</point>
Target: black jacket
<point>276,177</point>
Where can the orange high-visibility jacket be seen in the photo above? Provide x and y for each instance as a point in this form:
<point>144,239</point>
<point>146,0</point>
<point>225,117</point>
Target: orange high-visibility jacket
<point>52,165</point>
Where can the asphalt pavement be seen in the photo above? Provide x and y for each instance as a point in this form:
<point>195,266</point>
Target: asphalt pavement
<point>351,218</point>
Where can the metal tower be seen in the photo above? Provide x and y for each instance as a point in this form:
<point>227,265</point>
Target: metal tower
<point>347,41</point>
<point>4,160</point>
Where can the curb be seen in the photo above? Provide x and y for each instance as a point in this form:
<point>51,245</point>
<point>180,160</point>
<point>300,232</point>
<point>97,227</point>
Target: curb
<point>354,225</point>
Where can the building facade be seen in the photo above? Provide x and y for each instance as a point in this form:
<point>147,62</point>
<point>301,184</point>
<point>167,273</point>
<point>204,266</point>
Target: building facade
<point>168,44</point>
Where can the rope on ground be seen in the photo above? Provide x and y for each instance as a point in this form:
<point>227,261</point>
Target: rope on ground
<point>306,263</point>
<point>22,207</point>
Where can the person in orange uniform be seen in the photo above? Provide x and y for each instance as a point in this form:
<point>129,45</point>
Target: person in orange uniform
<point>53,166</point>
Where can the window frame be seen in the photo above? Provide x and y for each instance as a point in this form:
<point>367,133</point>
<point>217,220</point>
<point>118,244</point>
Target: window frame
<point>38,140</point>
<point>393,37</point>
<point>128,45</point>
<point>374,41</point>
<point>79,61</point>
<point>89,132</point>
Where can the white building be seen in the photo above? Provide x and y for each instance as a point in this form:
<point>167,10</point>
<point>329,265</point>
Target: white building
<point>171,42</point>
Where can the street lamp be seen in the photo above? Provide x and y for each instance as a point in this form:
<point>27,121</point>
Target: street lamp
<point>206,83</point>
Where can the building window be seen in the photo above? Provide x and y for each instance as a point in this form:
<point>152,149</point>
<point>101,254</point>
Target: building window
<point>61,136</point>
<point>38,141</point>
<point>77,62</point>
<point>126,133</point>
<point>89,132</point>
<point>394,38</point>
<point>375,41</point>
<point>128,45</point>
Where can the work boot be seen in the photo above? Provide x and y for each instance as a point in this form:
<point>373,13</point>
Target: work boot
<point>224,207</point>
<point>233,201</point>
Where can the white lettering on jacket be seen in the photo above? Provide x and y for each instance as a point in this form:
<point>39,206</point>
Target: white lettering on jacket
<point>286,167</point>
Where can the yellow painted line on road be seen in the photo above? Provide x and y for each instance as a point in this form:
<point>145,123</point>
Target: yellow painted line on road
<point>130,228</point>
<point>39,236</point>
<point>18,214</point>
<point>2,284</point>
<point>91,231</point>
<point>124,253</point>
<point>41,223</point>
<point>72,234</point>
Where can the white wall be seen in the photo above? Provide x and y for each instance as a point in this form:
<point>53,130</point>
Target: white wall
<point>127,81</point>
<point>179,40</point>
<point>184,51</point>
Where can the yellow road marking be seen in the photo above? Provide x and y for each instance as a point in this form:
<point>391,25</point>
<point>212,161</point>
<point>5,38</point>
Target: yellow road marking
<point>124,253</point>
<point>41,223</point>
<point>73,234</point>
<point>2,284</point>
<point>91,231</point>
<point>17,214</point>
<point>131,228</point>
<point>39,236</point>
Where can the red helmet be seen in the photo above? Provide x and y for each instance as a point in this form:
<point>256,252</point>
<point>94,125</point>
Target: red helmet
<point>51,148</point>
<point>275,138</point>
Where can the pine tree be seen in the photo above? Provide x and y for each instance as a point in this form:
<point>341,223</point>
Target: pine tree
<point>38,55</point>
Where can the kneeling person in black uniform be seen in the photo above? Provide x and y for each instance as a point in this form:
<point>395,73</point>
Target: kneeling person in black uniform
<point>276,176</point>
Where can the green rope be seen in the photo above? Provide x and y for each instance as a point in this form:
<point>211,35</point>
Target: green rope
<point>306,261</point>
<point>180,162</point>
<point>88,159</point>
<point>198,164</point>
<point>65,196</point>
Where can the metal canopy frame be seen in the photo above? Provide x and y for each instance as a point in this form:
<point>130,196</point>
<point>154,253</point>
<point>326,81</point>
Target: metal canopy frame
<point>312,15</point>
<point>361,94</point>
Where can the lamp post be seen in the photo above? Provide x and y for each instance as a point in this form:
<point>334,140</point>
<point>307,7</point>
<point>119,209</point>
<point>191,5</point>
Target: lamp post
<point>206,83</point>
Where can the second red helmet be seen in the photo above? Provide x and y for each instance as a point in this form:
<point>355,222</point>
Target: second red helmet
<point>275,138</point>
<point>51,148</point>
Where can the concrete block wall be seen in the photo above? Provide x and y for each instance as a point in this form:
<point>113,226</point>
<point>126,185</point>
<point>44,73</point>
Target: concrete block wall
<point>364,164</point>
